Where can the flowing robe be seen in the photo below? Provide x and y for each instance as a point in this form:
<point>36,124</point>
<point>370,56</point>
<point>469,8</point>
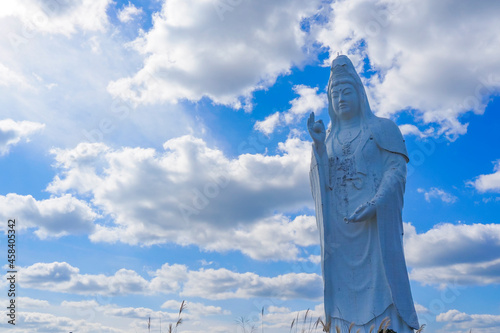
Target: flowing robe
<point>363,266</point>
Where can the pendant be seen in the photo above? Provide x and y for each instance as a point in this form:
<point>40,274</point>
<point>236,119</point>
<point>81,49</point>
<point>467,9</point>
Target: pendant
<point>346,149</point>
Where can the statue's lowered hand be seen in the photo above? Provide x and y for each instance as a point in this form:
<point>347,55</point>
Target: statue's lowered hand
<point>316,130</point>
<point>364,212</point>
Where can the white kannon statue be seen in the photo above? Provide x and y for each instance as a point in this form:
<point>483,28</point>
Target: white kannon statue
<point>358,175</point>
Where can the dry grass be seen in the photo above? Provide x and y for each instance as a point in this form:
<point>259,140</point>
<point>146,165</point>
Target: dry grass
<point>299,325</point>
<point>308,326</point>
<point>326,327</point>
<point>173,328</point>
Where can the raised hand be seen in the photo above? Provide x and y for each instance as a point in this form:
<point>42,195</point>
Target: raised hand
<point>316,130</point>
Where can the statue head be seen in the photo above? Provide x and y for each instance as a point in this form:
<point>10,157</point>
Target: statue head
<point>346,93</point>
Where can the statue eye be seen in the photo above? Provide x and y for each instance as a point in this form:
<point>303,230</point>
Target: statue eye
<point>335,94</point>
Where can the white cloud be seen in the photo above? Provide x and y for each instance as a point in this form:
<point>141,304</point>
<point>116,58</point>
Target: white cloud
<point>443,68</point>
<point>437,193</point>
<point>214,284</point>
<point>31,303</point>
<point>169,278</point>
<point>130,316</point>
<point>218,284</point>
<point>282,317</point>
<point>480,323</point>
<point>37,322</point>
<point>409,129</point>
<point>308,101</point>
<point>128,13</point>
<point>80,304</point>
<point>193,194</point>
<point>195,310</point>
<point>137,313</point>
<point>268,125</point>
<point>12,132</point>
<point>62,277</point>
<point>315,259</point>
<point>489,182</point>
<point>224,284</point>
<point>420,308</point>
<point>90,316</point>
<point>54,217</point>
<point>454,254</point>
<point>102,316</point>
<point>56,17</point>
<point>8,77</point>
<point>196,49</point>
<point>67,85</point>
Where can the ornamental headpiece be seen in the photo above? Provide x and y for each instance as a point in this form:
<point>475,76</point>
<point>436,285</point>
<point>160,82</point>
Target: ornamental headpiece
<point>342,67</point>
<point>340,70</point>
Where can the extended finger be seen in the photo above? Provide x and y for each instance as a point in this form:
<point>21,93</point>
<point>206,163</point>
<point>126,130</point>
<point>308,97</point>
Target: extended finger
<point>359,209</point>
<point>352,218</point>
<point>362,216</point>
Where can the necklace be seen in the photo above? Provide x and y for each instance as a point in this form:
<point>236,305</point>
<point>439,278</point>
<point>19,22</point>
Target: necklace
<point>346,146</point>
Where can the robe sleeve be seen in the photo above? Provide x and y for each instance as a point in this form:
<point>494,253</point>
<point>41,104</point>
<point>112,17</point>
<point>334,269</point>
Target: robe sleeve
<point>388,136</point>
<point>389,203</point>
<point>318,179</point>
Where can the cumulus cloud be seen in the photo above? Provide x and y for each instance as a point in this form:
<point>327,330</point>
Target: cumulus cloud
<point>214,284</point>
<point>268,125</point>
<point>68,78</point>
<point>437,193</point>
<point>12,132</point>
<point>223,284</point>
<point>129,12</point>
<point>198,49</point>
<point>454,254</point>
<point>102,315</point>
<point>441,69</point>
<point>489,182</point>
<point>308,101</point>
<point>409,129</point>
<point>38,322</point>
<point>194,194</point>
<point>56,17</point>
<point>54,217</point>
<point>481,323</point>
<point>218,284</point>
<point>62,277</point>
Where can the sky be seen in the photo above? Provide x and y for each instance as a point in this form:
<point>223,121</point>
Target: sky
<point>156,151</point>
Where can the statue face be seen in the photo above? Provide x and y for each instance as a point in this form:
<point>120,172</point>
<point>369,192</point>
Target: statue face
<point>345,99</point>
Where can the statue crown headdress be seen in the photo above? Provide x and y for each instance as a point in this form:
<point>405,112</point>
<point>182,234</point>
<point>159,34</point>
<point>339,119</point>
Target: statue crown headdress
<point>340,70</point>
<point>340,66</point>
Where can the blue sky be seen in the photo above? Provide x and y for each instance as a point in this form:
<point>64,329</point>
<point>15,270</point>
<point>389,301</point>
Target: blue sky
<point>156,151</point>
